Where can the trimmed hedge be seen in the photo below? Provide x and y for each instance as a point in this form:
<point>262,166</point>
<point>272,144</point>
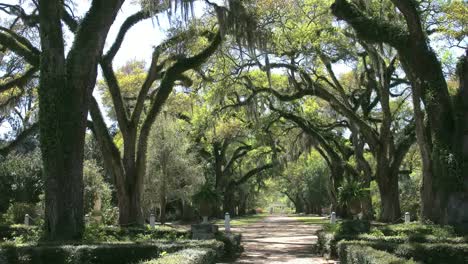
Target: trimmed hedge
<point>333,233</point>
<point>440,253</point>
<point>366,255</point>
<point>187,256</point>
<point>384,237</point>
<point>112,234</point>
<point>416,229</point>
<point>8,232</point>
<point>413,239</point>
<point>429,253</point>
<point>93,254</point>
<point>232,244</point>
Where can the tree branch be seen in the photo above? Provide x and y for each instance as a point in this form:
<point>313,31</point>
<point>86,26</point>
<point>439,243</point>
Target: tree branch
<point>250,174</point>
<point>19,81</point>
<point>4,151</point>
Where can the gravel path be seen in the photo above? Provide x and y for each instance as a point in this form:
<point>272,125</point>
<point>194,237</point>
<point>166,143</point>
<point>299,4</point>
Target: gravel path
<point>279,239</point>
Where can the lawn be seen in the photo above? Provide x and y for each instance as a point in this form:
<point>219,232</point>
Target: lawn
<point>311,220</point>
<point>243,220</point>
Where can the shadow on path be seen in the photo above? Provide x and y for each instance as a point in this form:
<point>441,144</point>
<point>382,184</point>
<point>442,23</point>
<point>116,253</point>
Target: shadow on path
<point>279,239</point>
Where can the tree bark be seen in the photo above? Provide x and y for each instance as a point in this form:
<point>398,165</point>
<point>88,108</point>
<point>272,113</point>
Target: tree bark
<point>66,85</point>
<point>389,194</point>
<point>228,202</point>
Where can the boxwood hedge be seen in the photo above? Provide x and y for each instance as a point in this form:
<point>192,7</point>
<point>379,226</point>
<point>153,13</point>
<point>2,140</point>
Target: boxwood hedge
<point>355,254</point>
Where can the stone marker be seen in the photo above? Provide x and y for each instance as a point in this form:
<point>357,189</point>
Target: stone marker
<point>152,221</point>
<point>227,223</point>
<point>333,218</point>
<point>26,219</point>
<point>407,218</point>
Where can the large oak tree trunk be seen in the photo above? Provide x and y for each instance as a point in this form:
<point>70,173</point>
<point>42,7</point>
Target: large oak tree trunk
<point>130,208</point>
<point>389,197</point>
<point>66,85</point>
<point>228,202</point>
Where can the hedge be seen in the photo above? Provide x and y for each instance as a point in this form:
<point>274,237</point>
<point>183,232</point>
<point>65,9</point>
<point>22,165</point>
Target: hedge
<point>187,256</point>
<point>355,254</point>
<point>440,253</point>
<point>416,229</point>
<point>111,234</point>
<point>392,234</point>
<point>8,232</point>
<point>93,254</point>
<point>333,233</point>
<point>412,239</point>
<point>232,244</point>
<point>429,253</point>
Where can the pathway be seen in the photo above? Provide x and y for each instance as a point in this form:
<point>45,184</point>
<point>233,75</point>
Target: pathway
<point>279,239</point>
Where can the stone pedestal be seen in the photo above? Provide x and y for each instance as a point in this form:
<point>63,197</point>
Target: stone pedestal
<point>204,231</point>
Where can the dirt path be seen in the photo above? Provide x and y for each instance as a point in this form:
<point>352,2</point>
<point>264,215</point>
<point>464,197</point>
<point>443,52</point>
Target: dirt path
<point>279,239</point>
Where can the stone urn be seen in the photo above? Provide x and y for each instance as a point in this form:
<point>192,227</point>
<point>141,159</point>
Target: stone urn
<point>354,206</point>
<point>205,210</point>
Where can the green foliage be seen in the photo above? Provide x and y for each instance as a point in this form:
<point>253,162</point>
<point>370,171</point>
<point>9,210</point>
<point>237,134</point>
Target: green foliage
<point>17,211</point>
<point>20,234</point>
<point>20,179</point>
<point>333,233</point>
<point>187,256</point>
<point>350,191</point>
<point>368,255</point>
<point>103,234</point>
<point>439,253</point>
<point>305,181</point>
<point>98,195</point>
<point>416,229</point>
<point>173,170</point>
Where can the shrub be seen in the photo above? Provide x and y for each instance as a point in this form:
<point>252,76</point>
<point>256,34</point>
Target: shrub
<point>429,253</point>
<point>187,256</point>
<point>408,239</point>
<point>366,255</point>
<point>332,234</point>
<point>100,253</point>
<point>417,229</point>
<point>439,253</point>
<point>232,244</point>
<point>20,233</point>
<point>16,212</point>
<point>97,233</point>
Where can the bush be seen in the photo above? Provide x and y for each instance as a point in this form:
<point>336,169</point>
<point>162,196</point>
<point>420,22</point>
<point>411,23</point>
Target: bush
<point>440,253</point>
<point>429,253</point>
<point>187,256</point>
<point>367,255</point>
<point>93,254</point>
<point>232,244</point>
<point>417,229</point>
<point>14,232</point>
<point>16,212</point>
<point>332,234</point>
<point>409,239</point>
<point>97,233</point>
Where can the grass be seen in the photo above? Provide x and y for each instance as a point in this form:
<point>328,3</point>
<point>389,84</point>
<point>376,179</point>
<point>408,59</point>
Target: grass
<point>243,220</point>
<point>311,220</point>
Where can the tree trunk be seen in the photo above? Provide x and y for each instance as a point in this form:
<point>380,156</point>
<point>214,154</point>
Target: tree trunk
<point>163,193</point>
<point>389,197</point>
<point>299,204</point>
<point>228,203</point>
<point>66,86</point>
<point>243,206</point>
